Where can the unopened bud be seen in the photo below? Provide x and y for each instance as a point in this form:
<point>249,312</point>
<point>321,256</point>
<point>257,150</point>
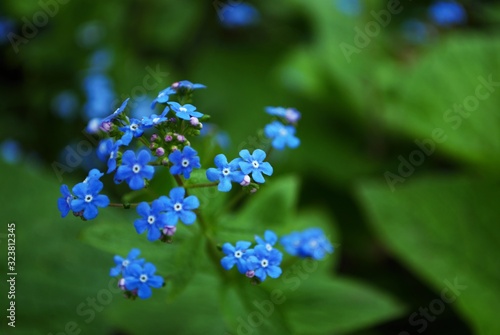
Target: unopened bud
<point>246,181</point>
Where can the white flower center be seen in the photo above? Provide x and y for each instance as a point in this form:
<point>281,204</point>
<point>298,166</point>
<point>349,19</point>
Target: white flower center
<point>269,247</point>
<point>264,263</point>
<point>183,109</point>
<point>178,207</point>
<point>226,171</point>
<point>125,263</point>
<point>238,254</point>
<point>313,243</point>
<point>151,219</point>
<point>283,132</point>
<point>88,198</point>
<point>134,127</point>
<point>156,119</point>
<point>255,164</point>
<point>136,168</point>
<point>185,162</point>
<point>143,278</point>
<point>112,155</point>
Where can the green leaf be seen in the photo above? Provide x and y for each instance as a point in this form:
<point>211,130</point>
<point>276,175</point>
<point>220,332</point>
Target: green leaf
<point>177,261</point>
<point>446,231</point>
<point>322,305</point>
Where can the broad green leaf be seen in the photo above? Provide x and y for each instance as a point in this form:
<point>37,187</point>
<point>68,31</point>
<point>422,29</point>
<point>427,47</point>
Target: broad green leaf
<point>445,230</point>
<point>457,113</point>
<point>56,273</point>
<point>322,305</point>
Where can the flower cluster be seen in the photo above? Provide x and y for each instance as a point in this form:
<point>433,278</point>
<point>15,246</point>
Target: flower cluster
<point>136,149</point>
<point>282,131</point>
<point>264,259</point>
<point>137,277</point>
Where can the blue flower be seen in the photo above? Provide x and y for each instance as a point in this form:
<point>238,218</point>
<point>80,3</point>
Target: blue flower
<point>236,255</point>
<point>64,202</point>
<point>142,279</point>
<point>181,87</point>
<point>265,262</point>
<point>88,198</point>
<point>10,150</point>
<point>153,220</point>
<point>135,169</point>
<point>108,150</point>
<point>185,111</point>
<point>162,97</point>
<point>238,15</point>
<point>117,112</point>
<point>225,173</point>
<point>269,240</point>
<point>122,264</point>
<point>65,104</point>
<point>311,242</point>
<point>94,174</point>
<point>134,129</point>
<point>291,115</point>
<point>447,13</point>
<point>255,164</point>
<point>281,135</point>
<point>154,119</point>
<point>178,207</point>
<point>100,95</point>
<point>184,162</point>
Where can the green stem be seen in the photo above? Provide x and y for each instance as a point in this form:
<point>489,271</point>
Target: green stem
<point>126,206</point>
<point>202,185</point>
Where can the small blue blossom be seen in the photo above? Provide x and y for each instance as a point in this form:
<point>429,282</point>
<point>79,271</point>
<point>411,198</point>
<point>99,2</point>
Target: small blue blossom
<point>238,15</point>
<point>281,135</point>
<point>291,115</point>
<point>117,112</point>
<point>65,104</point>
<point>94,174</point>
<point>88,198</point>
<point>142,279</point>
<point>184,112</point>
<point>122,264</point>
<point>349,7</point>
<point>184,162</point>
<point>225,173</point>
<point>269,240</point>
<point>447,13</point>
<point>153,119</point>
<point>101,60</point>
<point>237,254</point>
<point>178,207</point>
<point>162,97</point>
<point>64,202</point>
<point>153,220</point>
<point>108,150</point>
<point>311,242</point>
<point>134,129</point>
<point>265,262</point>
<point>100,95</point>
<point>135,169</point>
<point>10,150</point>
<point>181,87</point>
<point>255,164</point>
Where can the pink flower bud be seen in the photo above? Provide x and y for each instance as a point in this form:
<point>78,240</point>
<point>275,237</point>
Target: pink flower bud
<point>246,181</point>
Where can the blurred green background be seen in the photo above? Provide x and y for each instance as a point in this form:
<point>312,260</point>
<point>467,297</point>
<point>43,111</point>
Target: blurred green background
<point>399,158</point>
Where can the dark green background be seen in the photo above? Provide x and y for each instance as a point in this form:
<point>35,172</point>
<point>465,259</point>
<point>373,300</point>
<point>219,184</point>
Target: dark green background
<point>397,249</point>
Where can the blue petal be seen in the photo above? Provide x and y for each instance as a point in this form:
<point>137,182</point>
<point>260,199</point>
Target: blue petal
<point>144,291</point>
<point>243,245</point>
<point>63,206</point>
<point>90,212</point>
<point>257,176</point>
<point>141,225</point>
<point>227,262</point>
<point>153,234</point>
<point>155,281</point>
<point>293,142</point>
<point>136,183</point>
<point>213,174</point>
<point>143,157</point>
<point>224,185</point>
<point>246,167</point>
<point>245,154</point>
<point>115,271</point>
<point>131,283</point>
<point>274,271</point>
<point>270,237</point>
<point>177,194</point>
<point>78,204</point>
<point>220,161</point>
<point>80,190</point>
<point>191,202</point>
<point>171,218</point>
<point>127,137</point>
<point>259,155</point>
<point>133,253</point>
<point>149,269</point>
<point>187,217</point>
<point>266,168</point>
<point>101,200</point>
<point>228,248</point>
<point>260,273</point>
<point>147,171</point>
<point>143,209</point>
